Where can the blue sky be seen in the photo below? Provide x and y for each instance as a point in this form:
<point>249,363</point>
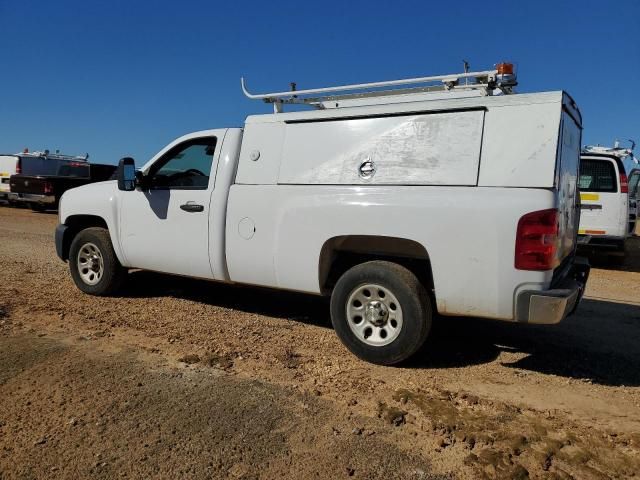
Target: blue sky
<point>116,78</point>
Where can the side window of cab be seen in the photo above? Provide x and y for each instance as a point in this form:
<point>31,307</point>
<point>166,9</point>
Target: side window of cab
<point>187,166</point>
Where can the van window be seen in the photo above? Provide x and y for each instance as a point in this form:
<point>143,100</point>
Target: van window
<point>598,176</point>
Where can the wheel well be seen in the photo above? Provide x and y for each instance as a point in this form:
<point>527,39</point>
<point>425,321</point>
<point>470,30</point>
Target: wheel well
<point>75,224</point>
<point>339,254</point>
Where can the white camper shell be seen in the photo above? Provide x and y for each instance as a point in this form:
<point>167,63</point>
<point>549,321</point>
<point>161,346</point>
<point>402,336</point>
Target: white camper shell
<point>397,204</point>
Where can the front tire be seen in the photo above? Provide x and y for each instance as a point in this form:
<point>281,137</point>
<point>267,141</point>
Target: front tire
<point>94,267</point>
<point>381,312</point>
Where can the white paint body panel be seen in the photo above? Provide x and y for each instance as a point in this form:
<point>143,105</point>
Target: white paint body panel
<point>266,140</point>
<point>472,262</point>
<point>101,200</point>
<point>427,149</point>
<point>454,175</point>
<point>519,148</point>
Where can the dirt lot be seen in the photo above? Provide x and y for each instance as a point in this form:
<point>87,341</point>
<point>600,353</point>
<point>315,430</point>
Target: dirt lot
<point>189,379</point>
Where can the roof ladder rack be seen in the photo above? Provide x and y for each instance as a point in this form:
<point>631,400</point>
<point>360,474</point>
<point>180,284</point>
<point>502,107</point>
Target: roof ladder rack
<point>502,77</point>
<point>55,156</point>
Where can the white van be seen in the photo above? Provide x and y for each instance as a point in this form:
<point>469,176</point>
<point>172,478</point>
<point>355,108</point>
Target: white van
<point>8,164</point>
<point>604,195</point>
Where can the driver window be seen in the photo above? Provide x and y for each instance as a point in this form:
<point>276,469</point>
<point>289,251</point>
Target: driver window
<point>186,166</point>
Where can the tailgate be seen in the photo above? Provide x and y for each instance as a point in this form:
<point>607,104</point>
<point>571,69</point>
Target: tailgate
<point>27,184</point>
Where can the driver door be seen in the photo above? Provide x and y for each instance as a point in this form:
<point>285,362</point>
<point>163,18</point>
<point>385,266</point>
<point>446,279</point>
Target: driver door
<point>165,225</point>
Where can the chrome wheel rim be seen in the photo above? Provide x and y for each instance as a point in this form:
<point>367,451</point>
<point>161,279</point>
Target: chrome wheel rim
<point>374,314</point>
<point>90,264</point>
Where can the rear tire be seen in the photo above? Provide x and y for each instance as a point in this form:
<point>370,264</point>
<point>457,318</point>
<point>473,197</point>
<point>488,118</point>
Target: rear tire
<point>381,312</point>
<point>94,267</point>
<point>36,207</point>
<point>617,259</point>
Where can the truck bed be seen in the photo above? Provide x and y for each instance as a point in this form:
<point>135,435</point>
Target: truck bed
<point>47,189</point>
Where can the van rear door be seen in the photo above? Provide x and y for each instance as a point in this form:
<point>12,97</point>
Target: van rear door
<point>604,207</point>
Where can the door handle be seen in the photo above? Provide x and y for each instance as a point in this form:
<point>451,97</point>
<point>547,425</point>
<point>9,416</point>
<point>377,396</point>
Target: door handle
<point>192,207</point>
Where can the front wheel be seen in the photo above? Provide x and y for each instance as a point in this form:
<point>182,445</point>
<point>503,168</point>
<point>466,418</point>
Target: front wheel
<point>95,269</point>
<point>381,312</point>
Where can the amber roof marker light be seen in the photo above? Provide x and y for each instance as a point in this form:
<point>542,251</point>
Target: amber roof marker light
<point>506,75</point>
<point>505,68</point>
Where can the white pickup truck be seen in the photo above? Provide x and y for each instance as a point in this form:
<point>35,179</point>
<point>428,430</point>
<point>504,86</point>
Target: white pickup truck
<point>399,204</point>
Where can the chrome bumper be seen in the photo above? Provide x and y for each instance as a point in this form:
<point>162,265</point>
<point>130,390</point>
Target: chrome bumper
<point>32,198</point>
<point>548,307</point>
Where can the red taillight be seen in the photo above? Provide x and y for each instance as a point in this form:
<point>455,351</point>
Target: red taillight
<point>48,188</point>
<point>624,183</point>
<point>19,166</point>
<point>536,240</point>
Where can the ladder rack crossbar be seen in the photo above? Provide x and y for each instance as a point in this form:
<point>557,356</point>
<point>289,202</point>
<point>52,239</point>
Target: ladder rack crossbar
<point>318,102</point>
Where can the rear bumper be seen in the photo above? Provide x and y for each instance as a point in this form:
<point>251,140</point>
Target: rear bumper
<point>549,307</point>
<point>32,198</point>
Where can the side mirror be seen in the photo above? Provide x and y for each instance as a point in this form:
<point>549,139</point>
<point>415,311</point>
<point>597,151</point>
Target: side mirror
<point>126,174</point>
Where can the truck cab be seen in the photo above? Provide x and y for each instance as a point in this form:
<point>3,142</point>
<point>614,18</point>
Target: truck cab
<point>182,200</point>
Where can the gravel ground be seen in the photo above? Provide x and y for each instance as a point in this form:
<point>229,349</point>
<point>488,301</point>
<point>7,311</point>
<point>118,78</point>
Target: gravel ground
<point>180,378</point>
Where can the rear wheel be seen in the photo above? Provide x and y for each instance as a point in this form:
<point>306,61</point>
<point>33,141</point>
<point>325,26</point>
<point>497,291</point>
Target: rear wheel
<point>618,258</point>
<point>94,267</point>
<point>381,312</point>
<point>37,207</point>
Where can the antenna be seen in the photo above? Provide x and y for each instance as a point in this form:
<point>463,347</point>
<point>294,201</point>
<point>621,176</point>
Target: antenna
<point>466,70</point>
